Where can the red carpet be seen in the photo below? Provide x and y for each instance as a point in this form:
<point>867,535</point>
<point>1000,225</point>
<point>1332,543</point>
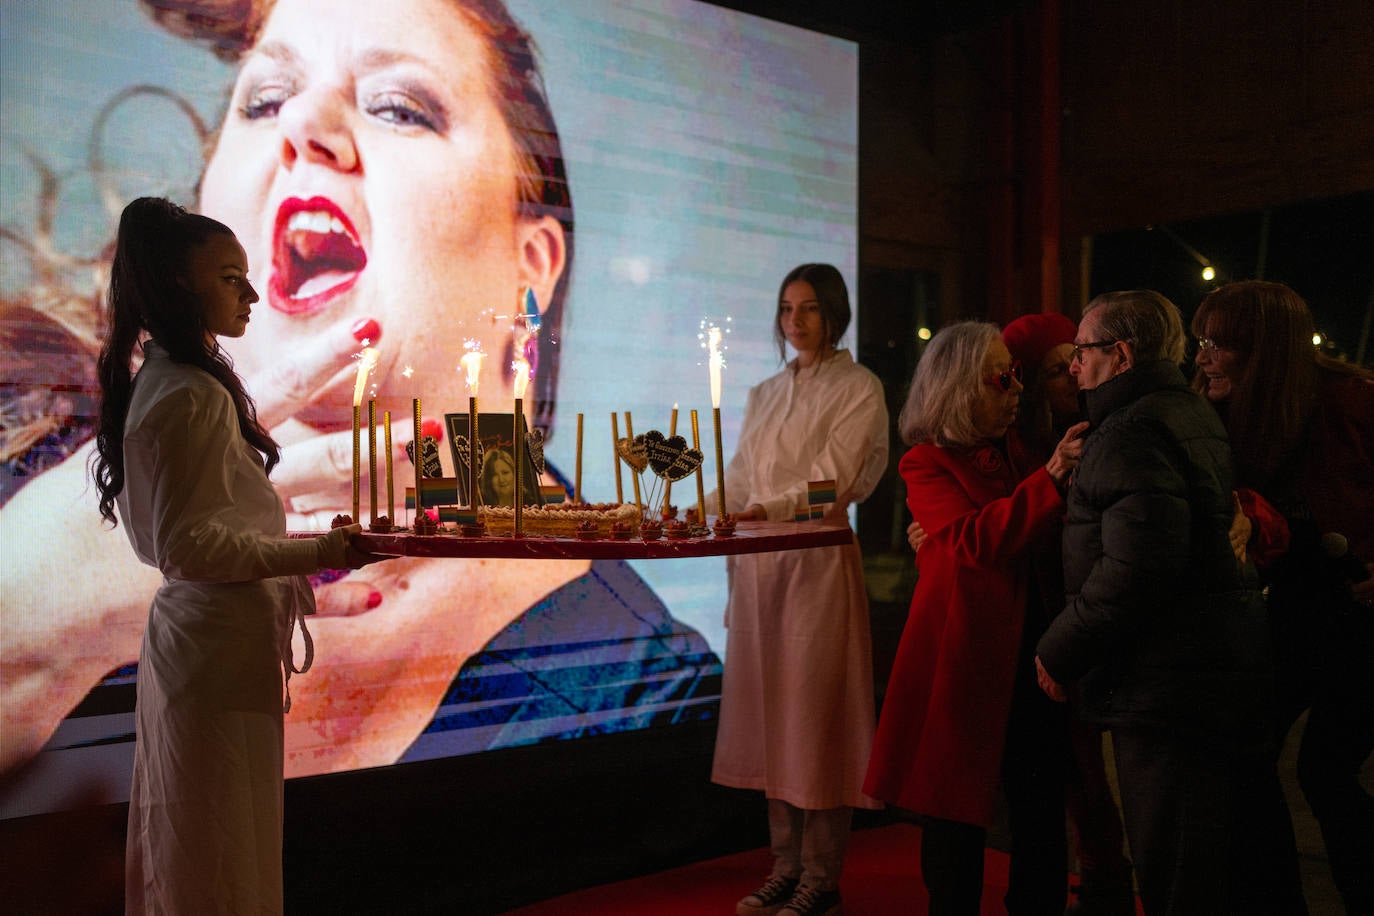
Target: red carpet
<point>882,876</point>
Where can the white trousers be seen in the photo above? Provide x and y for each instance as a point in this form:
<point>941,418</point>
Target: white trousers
<point>808,844</point>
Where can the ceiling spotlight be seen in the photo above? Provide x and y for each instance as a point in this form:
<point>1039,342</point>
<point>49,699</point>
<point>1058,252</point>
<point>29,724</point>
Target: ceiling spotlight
<point>1208,273</point>
<point>923,333</point>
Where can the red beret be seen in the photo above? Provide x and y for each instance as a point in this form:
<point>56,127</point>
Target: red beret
<point>1030,337</point>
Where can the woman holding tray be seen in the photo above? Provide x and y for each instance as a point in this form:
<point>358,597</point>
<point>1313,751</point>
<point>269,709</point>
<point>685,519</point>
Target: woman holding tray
<point>797,703</point>
<point>181,450</point>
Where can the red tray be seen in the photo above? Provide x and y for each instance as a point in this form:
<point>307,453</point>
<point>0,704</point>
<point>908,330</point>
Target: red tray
<point>749,537</point>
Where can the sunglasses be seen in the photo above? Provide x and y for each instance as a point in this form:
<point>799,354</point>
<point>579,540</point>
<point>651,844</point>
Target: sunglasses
<point>1003,380</point>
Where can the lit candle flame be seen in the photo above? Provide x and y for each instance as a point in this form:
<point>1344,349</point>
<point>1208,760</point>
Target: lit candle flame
<point>525,327</point>
<point>472,364</point>
<point>717,362</point>
<point>521,369</point>
<point>367,361</point>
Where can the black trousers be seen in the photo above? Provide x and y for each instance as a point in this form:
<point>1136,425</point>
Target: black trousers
<point>1034,769</point>
<point>1199,820</point>
<point>1338,739</point>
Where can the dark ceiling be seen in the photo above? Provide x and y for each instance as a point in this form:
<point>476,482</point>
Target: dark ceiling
<point>910,21</point>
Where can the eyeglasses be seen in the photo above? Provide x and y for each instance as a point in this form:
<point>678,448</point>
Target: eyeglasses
<point>1207,343</point>
<point>1078,348</point>
<point>1003,380</point>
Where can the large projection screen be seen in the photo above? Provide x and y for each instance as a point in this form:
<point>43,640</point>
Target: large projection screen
<point>707,152</point>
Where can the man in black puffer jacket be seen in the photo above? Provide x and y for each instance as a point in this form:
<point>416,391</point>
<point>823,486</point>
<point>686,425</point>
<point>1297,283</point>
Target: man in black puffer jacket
<point>1164,635</point>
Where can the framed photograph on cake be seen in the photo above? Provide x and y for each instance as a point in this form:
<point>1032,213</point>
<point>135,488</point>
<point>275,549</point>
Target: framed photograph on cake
<point>496,459</point>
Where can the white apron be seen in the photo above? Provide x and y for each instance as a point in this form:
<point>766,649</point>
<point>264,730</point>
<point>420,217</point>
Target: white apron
<point>205,808</point>
<point>797,703</point>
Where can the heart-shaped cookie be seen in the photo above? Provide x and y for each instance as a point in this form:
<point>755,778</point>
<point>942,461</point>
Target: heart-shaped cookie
<point>534,441</point>
<point>633,453</point>
<point>670,458</point>
<point>429,452</point>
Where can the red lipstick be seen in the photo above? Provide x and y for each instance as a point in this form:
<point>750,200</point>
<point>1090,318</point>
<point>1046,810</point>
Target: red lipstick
<point>316,255</point>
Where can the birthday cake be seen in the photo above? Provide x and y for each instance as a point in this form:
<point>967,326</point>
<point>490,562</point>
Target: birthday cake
<point>561,519</point>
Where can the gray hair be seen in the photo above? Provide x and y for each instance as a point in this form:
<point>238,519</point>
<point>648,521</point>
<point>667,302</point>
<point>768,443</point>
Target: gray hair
<point>1149,321</point>
<point>940,405</point>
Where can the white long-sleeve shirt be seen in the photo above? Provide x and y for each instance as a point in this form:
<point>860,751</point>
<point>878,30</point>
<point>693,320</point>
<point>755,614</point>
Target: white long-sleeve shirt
<point>205,807</point>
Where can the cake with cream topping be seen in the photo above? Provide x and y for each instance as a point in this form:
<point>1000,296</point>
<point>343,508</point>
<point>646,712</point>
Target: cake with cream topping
<point>560,519</point>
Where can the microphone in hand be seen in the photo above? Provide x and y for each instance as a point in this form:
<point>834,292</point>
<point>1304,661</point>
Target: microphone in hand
<point>1337,549</point>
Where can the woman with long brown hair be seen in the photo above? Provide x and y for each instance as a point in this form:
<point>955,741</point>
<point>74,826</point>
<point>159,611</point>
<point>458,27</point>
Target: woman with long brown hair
<point>1302,435</point>
<point>181,451</point>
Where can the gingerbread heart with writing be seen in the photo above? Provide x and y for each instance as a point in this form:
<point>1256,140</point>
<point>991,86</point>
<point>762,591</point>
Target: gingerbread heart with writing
<point>633,453</point>
<point>671,458</point>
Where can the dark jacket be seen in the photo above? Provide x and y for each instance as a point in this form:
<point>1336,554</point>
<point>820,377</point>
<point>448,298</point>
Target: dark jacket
<point>1162,626</point>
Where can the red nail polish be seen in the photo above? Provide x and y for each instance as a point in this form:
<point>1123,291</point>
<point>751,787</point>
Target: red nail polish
<point>373,599</point>
<point>366,329</point>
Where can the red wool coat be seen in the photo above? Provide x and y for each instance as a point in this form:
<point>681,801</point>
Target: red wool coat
<point>938,748</point>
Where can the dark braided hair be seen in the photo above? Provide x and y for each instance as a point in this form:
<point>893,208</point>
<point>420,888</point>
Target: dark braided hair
<point>154,246</point>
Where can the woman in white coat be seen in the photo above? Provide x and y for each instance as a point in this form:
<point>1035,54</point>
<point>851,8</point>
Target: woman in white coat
<point>180,450</point>
<point>797,703</point>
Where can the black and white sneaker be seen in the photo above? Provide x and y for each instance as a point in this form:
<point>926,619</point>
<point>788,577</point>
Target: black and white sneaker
<point>807,901</point>
<point>769,898</point>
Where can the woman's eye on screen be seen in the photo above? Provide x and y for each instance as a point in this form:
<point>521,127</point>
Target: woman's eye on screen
<point>403,110</point>
<point>264,102</point>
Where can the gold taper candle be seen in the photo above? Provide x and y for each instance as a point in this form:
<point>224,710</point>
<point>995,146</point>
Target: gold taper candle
<point>701,488</point>
<point>474,497</point>
<point>416,450</point>
<point>720,466</point>
<point>634,474</point>
<point>357,460</point>
<point>577,472</point>
<point>615,456</point>
<point>518,442</point>
<point>390,490</point>
<point>372,460</point>
<point>668,484</point>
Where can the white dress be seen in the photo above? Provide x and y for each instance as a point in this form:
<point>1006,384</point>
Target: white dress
<point>205,809</point>
<point>796,714</point>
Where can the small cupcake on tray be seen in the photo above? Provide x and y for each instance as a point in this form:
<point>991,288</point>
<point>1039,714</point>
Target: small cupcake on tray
<point>381,525</point>
<point>677,530</point>
<point>620,531</point>
<point>651,529</point>
<point>724,526</point>
<point>424,524</point>
<point>587,531</point>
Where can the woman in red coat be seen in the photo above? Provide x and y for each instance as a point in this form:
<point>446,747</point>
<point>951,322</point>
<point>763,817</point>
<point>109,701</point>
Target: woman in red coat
<point>962,707</point>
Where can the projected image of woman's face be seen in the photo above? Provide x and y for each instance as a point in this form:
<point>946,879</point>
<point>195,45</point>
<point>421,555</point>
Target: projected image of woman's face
<point>368,171</point>
<point>400,162</point>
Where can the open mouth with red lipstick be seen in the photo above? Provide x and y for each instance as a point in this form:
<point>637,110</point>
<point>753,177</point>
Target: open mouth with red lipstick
<point>316,255</point>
